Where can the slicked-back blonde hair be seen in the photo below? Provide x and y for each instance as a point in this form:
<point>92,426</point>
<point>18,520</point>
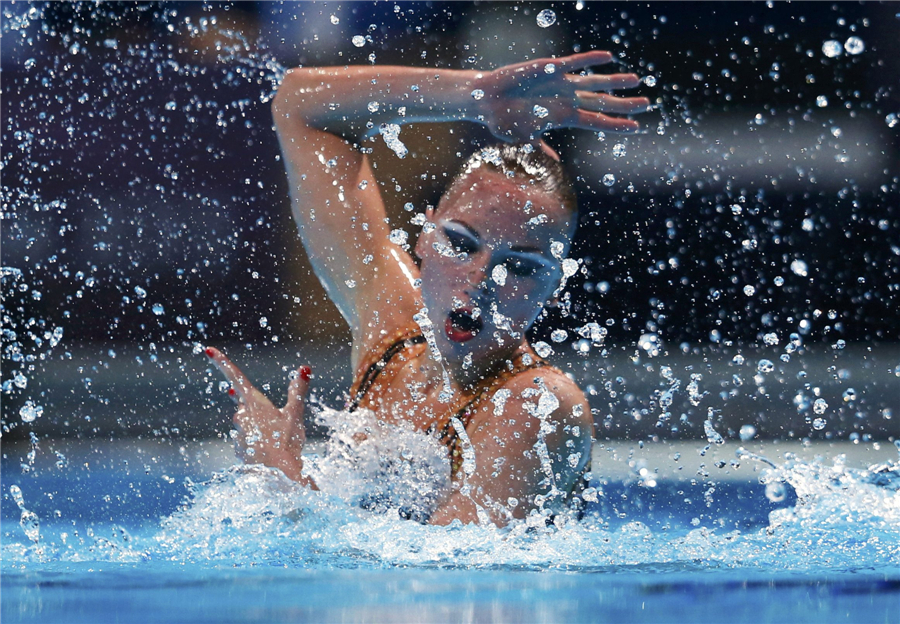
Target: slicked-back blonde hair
<point>522,160</point>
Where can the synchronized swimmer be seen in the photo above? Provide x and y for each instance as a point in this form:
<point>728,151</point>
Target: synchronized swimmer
<point>486,266</point>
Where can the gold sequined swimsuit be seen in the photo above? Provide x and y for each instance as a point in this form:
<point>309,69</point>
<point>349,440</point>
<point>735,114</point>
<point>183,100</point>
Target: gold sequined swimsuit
<point>410,343</point>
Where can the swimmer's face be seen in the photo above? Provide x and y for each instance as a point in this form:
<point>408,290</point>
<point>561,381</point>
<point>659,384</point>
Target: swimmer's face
<point>491,263</point>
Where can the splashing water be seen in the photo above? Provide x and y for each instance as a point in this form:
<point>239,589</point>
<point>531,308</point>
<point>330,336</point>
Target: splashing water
<point>843,519</point>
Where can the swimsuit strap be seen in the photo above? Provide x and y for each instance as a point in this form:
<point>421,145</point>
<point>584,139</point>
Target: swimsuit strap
<point>450,436</point>
<point>365,378</point>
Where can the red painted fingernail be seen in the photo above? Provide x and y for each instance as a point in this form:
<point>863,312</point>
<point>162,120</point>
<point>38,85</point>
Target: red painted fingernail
<point>209,352</point>
<point>305,373</point>
<point>231,392</point>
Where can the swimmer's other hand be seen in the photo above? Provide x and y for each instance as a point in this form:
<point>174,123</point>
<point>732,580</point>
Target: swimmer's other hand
<point>524,100</point>
<point>265,434</point>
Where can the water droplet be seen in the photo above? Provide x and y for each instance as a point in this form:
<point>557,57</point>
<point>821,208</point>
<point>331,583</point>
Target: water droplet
<point>821,101</point>
<point>776,492</point>
<point>335,20</point>
<point>771,339</point>
<point>650,81</point>
<point>546,18</point>
<point>618,150</point>
<point>158,309</point>
<point>749,290</point>
<point>799,267</point>
<point>831,48</point>
<point>30,412</point>
<point>549,68</point>
<point>737,360</point>
<point>849,395</point>
<point>140,292</point>
<point>56,336</point>
<point>569,267</point>
<point>736,209</point>
<point>820,406</point>
<point>650,343</point>
<point>557,249</point>
<point>391,135</point>
<point>477,94</point>
<point>543,349</point>
<point>358,40</point>
<point>747,432</point>
<point>373,107</point>
<point>892,120</point>
<point>539,111</point>
<point>765,366</point>
<point>712,436</point>
<point>498,274</point>
<point>30,63</point>
<point>399,237</point>
<point>854,45</point>
<point>609,179</point>
<point>819,423</point>
<point>559,335</point>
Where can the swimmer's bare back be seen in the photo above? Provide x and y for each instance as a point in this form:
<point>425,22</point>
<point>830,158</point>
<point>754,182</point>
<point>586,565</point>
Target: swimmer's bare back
<point>322,117</point>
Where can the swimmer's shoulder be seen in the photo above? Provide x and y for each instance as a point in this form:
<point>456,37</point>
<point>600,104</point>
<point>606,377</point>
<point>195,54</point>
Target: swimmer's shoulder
<point>573,409</point>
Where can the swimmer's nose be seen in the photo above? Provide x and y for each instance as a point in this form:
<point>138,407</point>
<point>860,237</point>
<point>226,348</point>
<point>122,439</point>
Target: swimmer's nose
<point>478,270</point>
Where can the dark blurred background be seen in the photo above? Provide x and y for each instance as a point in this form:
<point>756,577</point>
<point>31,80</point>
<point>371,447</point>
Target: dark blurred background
<point>145,210</point>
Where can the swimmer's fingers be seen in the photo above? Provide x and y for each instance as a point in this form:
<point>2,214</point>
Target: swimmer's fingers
<point>548,69</point>
<point>231,372</point>
<point>605,103</point>
<point>605,82</point>
<point>581,60</point>
<point>297,393</point>
<point>589,120</point>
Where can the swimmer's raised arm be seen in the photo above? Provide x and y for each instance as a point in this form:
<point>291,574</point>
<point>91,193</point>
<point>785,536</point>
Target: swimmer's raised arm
<point>322,114</point>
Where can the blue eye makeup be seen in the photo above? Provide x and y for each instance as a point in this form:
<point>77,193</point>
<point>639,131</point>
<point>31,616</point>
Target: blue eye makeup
<point>460,238</point>
<point>522,262</point>
<point>523,267</point>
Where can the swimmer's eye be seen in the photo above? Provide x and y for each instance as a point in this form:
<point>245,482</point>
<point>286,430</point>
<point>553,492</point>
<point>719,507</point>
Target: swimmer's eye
<point>522,267</point>
<point>460,242</point>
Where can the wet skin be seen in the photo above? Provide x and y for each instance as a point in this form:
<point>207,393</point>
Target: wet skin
<point>484,223</point>
<point>342,224</point>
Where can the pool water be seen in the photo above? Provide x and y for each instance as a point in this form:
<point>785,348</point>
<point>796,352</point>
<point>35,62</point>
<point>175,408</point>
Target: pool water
<point>165,592</point>
<point>782,147</point>
<point>169,541</point>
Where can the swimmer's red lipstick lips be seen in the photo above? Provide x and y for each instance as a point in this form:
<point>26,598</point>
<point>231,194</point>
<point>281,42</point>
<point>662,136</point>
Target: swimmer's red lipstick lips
<point>461,325</point>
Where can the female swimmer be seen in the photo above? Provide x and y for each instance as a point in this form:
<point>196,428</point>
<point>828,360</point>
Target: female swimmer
<point>489,259</point>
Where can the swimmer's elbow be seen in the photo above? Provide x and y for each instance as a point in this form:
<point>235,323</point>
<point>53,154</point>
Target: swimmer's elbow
<point>288,97</point>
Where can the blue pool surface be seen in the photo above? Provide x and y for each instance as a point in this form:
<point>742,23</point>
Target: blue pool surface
<point>173,593</point>
<point>140,543</point>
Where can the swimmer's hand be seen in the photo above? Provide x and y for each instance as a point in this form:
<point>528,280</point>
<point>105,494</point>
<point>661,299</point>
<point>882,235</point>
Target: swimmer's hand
<point>265,434</point>
<point>524,100</point>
